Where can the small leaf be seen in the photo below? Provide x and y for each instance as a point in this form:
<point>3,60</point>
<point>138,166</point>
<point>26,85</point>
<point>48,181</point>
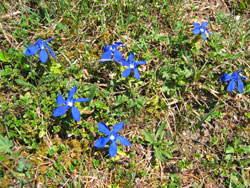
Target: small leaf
<point>42,133</point>
<point>5,144</point>
<point>93,91</point>
<point>149,137</point>
<point>23,83</point>
<point>168,154</point>
<point>159,155</point>
<point>160,129</point>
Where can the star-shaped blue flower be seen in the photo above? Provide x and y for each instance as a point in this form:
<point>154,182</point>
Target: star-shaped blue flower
<point>201,29</point>
<point>112,49</point>
<point>40,45</point>
<point>112,136</point>
<point>132,65</point>
<point>68,103</point>
<point>235,77</point>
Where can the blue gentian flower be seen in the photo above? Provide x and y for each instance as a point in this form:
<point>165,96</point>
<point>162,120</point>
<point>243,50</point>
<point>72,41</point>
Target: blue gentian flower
<point>40,45</point>
<point>68,103</point>
<point>112,49</point>
<point>233,79</point>
<point>201,29</point>
<point>131,65</point>
<point>112,136</point>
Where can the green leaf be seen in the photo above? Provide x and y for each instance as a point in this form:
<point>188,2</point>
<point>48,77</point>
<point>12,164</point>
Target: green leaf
<point>149,137</point>
<point>23,83</point>
<point>168,154</point>
<point>5,144</point>
<point>246,149</point>
<point>230,150</point>
<point>4,57</point>
<point>93,91</point>
<point>160,129</point>
<point>159,155</point>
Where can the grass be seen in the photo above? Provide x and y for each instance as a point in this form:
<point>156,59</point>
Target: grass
<point>185,129</point>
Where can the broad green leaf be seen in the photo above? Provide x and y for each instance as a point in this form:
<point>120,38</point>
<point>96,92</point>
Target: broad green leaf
<point>93,91</point>
<point>160,129</point>
<point>149,137</point>
<point>246,149</point>
<point>159,155</point>
<point>4,57</point>
<point>167,153</point>
<point>230,150</point>
<point>5,144</point>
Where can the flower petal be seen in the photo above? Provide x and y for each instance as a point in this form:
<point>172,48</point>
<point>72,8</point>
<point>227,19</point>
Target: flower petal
<point>204,36</point>
<point>196,31</point>
<point>60,100</point>
<point>124,141</point>
<point>117,56</point>
<point>103,128</point>
<point>197,25</point>
<point>204,24</point>
<point>118,44</point>
<point>242,77</point>
<point>209,33</point>
<point>141,62</point>
<point>131,57</point>
<point>126,73</point>
<point>124,62</point>
<point>60,110</point>
<point>31,50</point>
<point>81,100</point>
<point>112,149</point>
<point>136,73</point>
<point>101,142</point>
<point>106,55</point>
<point>75,113</point>
<point>231,86</point>
<point>43,56</point>
<point>117,127</point>
<point>240,86</point>
<point>71,93</point>
<point>38,41</point>
<point>49,39</point>
<point>51,52</point>
<point>225,78</point>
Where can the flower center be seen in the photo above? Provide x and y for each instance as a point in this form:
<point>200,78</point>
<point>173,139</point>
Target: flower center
<point>42,47</point>
<point>131,66</point>
<point>202,30</point>
<point>112,137</point>
<point>70,103</point>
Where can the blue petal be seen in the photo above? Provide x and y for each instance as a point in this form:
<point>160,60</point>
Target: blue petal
<point>196,31</point>
<point>101,142</point>
<point>118,44</point>
<point>75,113</point>
<point>204,24</point>
<point>225,78</point>
<point>204,36</point>
<point>131,57</point>
<point>103,128</point>
<point>81,100</point>
<point>137,74</point>
<point>197,25</point>
<point>117,127</point>
<point>238,72</point>
<point>126,73</point>
<point>51,52</point>
<point>124,62</point>
<point>60,110</point>
<point>240,86</point>
<point>141,62</point>
<point>39,41</point>
<point>209,33</point>
<point>242,77</point>
<point>124,141</point>
<point>71,93</point>
<point>112,149</point>
<point>60,100</point>
<point>106,55</point>
<point>49,39</point>
<point>106,48</point>
<point>231,86</point>
<point>31,50</point>
<point>117,56</point>
<point>43,55</point>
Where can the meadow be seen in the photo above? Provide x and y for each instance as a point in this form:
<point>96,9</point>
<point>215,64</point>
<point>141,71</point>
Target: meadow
<point>125,93</point>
